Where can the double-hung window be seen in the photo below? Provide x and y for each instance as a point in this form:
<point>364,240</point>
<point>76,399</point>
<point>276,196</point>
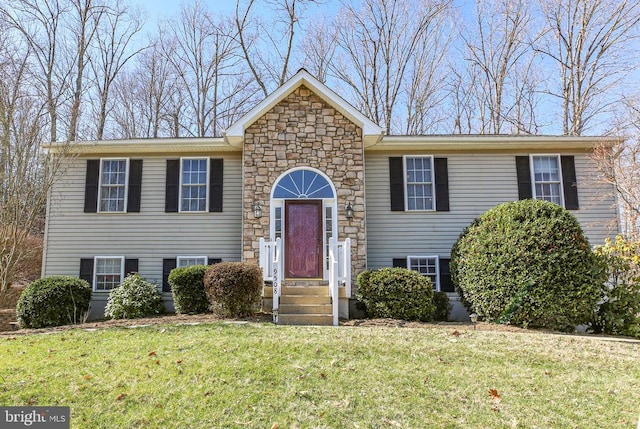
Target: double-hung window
<point>419,182</point>
<point>547,178</point>
<point>108,272</point>
<point>193,184</point>
<point>186,261</point>
<point>427,266</point>
<point>113,185</point>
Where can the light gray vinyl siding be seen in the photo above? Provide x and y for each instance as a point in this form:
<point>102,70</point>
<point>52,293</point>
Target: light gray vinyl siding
<point>477,182</point>
<point>150,235</point>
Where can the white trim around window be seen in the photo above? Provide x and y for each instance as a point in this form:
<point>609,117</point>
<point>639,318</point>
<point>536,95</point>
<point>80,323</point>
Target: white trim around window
<point>106,272</point>
<point>415,178</point>
<point>200,209</point>
<point>185,261</point>
<point>545,185</point>
<point>427,266</point>
<point>111,203</point>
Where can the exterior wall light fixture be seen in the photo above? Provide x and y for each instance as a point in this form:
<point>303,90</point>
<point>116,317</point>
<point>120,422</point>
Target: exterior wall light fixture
<point>349,210</point>
<point>257,210</point>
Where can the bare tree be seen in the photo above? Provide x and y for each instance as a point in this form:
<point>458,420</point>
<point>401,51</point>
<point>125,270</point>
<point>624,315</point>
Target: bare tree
<point>142,93</point>
<point>26,173</point>
<point>589,42</point>
<point>376,45</point>
<point>425,86</point>
<point>319,48</point>
<point>40,24</point>
<point>461,86</point>
<point>85,20</point>
<point>205,59</point>
<point>498,53</point>
<point>111,51</point>
<point>267,45</point>
<point>620,167</point>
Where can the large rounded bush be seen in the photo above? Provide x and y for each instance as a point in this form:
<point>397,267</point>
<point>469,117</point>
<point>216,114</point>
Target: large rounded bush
<point>187,287</point>
<point>234,289</point>
<point>397,293</point>
<point>528,263</point>
<point>53,301</point>
<point>133,299</point>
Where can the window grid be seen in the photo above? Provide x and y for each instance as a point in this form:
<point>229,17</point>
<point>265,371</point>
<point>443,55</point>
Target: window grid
<point>328,232</point>
<point>427,266</point>
<point>419,183</point>
<point>113,180</point>
<point>187,261</point>
<point>193,188</point>
<point>108,272</point>
<point>278,222</point>
<point>547,178</point>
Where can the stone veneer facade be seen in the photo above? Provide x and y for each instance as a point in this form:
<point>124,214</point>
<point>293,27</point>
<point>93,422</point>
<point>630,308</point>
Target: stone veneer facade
<point>304,131</point>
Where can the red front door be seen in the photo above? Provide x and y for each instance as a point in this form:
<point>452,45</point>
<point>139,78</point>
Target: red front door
<point>303,239</point>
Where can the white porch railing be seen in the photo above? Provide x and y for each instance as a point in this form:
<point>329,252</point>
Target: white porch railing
<point>342,251</point>
<point>339,272</point>
<point>272,265</point>
<point>272,268</point>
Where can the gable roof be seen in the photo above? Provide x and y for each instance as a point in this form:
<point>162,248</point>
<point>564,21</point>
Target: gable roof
<point>371,132</point>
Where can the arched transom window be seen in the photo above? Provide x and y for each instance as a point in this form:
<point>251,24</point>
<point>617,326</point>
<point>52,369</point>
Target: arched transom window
<point>303,184</point>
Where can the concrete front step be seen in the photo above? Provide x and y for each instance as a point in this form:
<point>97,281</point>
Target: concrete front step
<point>305,319</point>
<point>304,302</point>
<point>323,309</point>
<point>302,290</point>
<point>305,290</point>
<point>304,299</point>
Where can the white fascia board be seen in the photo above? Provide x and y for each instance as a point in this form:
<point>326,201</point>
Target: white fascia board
<point>143,146</point>
<point>490,143</point>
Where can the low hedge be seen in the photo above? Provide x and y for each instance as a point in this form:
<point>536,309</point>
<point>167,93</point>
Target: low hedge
<point>396,293</point>
<point>53,301</point>
<point>234,289</point>
<point>187,288</point>
<point>133,299</point>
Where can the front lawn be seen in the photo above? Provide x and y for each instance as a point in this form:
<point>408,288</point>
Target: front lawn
<point>258,375</point>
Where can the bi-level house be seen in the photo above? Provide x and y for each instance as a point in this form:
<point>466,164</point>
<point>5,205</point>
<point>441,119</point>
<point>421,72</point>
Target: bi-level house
<point>309,188</point>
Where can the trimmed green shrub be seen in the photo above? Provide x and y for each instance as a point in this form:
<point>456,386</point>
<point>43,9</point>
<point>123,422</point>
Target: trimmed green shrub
<point>187,287</point>
<point>133,299</point>
<point>396,293</point>
<point>53,301</point>
<point>528,263</point>
<point>619,311</point>
<point>442,307</point>
<point>234,289</point>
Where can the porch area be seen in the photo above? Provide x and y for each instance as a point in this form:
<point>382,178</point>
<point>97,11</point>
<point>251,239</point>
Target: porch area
<point>306,301</point>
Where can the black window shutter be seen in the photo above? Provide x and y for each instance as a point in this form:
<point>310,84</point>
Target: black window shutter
<point>135,185</point>
<point>86,270</point>
<point>214,260</point>
<point>569,182</point>
<point>172,186</point>
<point>215,185</point>
<point>446,284</point>
<point>441,171</point>
<point>130,266</point>
<point>523,172</point>
<point>396,183</point>
<point>399,262</point>
<point>91,186</point>
<point>167,266</point>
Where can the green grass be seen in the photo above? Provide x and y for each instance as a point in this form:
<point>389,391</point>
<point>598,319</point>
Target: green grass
<point>257,375</point>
